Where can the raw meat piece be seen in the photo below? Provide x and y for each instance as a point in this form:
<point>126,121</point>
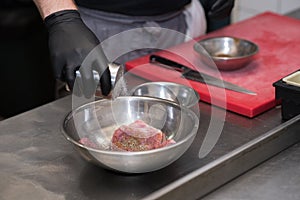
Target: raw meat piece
<point>87,142</point>
<point>139,136</point>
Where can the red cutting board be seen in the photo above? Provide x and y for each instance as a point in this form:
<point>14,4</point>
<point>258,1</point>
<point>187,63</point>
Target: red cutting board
<point>278,38</point>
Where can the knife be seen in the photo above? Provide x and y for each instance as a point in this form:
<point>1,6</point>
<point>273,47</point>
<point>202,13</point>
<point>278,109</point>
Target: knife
<point>194,75</point>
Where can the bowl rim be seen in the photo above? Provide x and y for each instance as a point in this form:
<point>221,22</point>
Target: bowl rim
<point>220,58</point>
<point>129,153</point>
<point>167,84</point>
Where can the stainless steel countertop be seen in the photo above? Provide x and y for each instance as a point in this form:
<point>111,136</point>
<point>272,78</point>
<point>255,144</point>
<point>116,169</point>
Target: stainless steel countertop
<point>37,162</point>
<point>275,179</point>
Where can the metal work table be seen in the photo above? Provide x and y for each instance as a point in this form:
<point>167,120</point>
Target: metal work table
<point>277,178</point>
<point>37,162</point>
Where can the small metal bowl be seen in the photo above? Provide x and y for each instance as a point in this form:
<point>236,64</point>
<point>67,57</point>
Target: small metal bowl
<point>178,93</point>
<point>227,53</point>
<point>101,118</point>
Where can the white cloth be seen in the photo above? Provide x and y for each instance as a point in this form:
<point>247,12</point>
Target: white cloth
<point>195,19</point>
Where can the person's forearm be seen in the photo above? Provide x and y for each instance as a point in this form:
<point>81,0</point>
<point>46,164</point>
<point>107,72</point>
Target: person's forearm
<point>47,7</point>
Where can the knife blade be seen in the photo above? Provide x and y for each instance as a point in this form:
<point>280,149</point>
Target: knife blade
<point>194,75</point>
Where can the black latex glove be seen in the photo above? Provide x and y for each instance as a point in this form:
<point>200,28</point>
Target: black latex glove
<point>217,9</point>
<point>70,41</point>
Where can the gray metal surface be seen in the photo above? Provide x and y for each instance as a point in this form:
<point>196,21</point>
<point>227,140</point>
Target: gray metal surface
<point>220,171</point>
<point>37,162</point>
<point>277,178</point>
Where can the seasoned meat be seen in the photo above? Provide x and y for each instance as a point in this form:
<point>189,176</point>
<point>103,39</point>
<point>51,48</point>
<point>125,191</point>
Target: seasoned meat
<point>138,136</point>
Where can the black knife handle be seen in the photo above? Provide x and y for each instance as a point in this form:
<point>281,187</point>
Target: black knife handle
<point>170,63</point>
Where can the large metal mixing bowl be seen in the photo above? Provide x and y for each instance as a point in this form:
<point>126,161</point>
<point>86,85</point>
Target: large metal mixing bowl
<point>101,118</point>
<point>227,53</point>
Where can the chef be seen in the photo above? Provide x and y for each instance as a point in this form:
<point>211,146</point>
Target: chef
<point>76,28</point>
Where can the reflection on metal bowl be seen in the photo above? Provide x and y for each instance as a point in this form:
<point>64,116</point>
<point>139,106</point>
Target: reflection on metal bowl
<point>101,118</point>
<point>227,53</point>
<point>178,93</point>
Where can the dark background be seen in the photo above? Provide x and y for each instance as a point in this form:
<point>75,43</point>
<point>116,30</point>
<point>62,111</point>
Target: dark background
<point>26,79</point>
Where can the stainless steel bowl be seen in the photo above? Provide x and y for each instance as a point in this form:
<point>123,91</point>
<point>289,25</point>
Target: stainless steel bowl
<point>99,119</point>
<point>178,93</point>
<point>227,53</point>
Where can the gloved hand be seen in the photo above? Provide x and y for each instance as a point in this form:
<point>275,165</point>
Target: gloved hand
<point>217,9</point>
<point>70,41</point>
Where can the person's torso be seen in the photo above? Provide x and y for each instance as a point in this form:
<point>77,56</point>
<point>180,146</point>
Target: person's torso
<point>135,7</point>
